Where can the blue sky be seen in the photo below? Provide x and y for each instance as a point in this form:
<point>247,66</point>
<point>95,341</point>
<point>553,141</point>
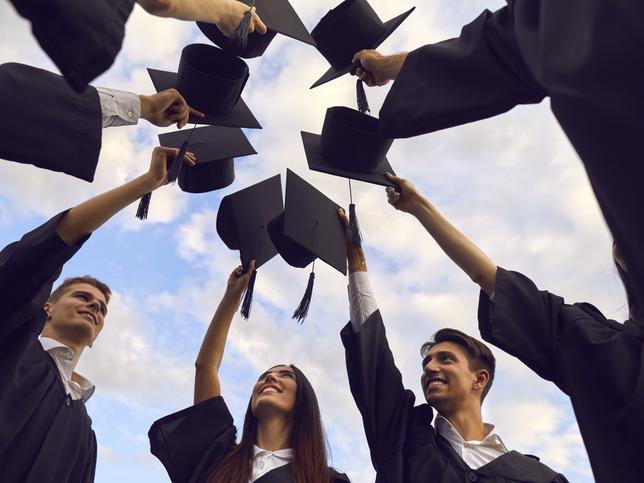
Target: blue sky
<point>513,184</point>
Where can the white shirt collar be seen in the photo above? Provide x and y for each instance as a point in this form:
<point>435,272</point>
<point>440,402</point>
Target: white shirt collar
<point>285,454</point>
<point>445,428</point>
<point>64,358</point>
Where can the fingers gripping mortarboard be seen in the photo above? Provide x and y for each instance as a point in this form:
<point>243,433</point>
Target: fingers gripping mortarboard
<point>279,16</point>
<point>242,223</point>
<point>211,81</point>
<point>215,148</point>
<point>308,228</point>
<point>350,27</point>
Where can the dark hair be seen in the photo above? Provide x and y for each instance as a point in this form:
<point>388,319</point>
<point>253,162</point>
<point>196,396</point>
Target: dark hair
<point>307,440</point>
<point>633,311</point>
<point>88,279</point>
<point>479,355</point>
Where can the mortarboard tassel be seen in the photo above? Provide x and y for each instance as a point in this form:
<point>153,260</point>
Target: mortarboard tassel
<point>177,163</point>
<point>303,309</point>
<point>239,38</point>
<point>363,103</point>
<point>356,236</point>
<point>144,206</point>
<point>248,296</point>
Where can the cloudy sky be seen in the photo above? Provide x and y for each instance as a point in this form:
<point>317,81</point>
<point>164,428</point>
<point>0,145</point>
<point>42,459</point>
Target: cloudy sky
<point>513,184</point>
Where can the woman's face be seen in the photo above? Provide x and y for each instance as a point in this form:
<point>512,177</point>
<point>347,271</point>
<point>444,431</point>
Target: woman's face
<point>274,391</point>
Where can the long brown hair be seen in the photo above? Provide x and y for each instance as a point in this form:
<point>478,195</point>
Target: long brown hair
<point>308,441</point>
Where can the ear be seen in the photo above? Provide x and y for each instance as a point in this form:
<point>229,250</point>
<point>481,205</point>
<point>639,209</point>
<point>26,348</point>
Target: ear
<point>482,379</point>
<point>47,307</point>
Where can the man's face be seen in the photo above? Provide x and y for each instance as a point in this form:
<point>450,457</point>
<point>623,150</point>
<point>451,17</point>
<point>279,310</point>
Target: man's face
<point>447,381</point>
<point>79,314</point>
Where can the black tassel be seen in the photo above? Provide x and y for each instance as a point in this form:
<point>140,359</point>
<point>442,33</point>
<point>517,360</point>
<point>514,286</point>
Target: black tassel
<point>356,236</point>
<point>177,163</point>
<point>248,296</point>
<point>239,38</point>
<point>363,103</point>
<point>144,206</point>
<point>303,309</point>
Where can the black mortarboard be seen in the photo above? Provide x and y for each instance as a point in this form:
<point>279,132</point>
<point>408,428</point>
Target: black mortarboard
<point>242,222</point>
<point>347,29</point>
<point>81,37</point>
<point>309,228</point>
<point>279,16</point>
<point>350,146</point>
<point>215,148</point>
<point>211,81</point>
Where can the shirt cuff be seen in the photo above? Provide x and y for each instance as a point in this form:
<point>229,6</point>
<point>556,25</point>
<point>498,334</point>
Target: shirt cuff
<point>119,108</point>
<point>362,303</point>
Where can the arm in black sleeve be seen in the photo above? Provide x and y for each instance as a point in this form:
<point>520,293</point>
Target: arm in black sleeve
<point>377,388</point>
<point>28,269</point>
<point>525,322</point>
<point>475,76</point>
<point>192,442</point>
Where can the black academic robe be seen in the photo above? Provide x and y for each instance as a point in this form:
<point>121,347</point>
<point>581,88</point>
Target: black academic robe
<point>584,54</point>
<point>404,446</point>
<point>193,442</point>
<point>45,436</point>
<point>82,37</point>
<point>597,362</point>
<point>47,124</point>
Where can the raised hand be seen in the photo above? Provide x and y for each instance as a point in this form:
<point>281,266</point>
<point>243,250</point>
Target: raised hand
<point>167,107</point>
<point>232,13</point>
<point>157,175</point>
<point>238,280</point>
<point>376,69</point>
<point>406,197</point>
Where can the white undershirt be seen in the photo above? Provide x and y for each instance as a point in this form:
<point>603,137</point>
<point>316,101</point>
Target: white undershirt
<point>362,304</point>
<point>265,461</point>
<point>64,358</point>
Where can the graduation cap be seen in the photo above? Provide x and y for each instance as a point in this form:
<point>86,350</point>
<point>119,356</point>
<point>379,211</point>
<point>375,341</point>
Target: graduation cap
<point>242,222</point>
<point>279,16</point>
<point>211,81</point>
<point>347,29</point>
<point>307,229</point>
<point>215,148</point>
<point>350,146</point>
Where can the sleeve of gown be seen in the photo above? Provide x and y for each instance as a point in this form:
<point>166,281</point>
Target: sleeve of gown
<point>377,388</point>
<point>28,269</point>
<point>48,125</point>
<point>191,442</point>
<point>477,75</point>
<point>525,322</point>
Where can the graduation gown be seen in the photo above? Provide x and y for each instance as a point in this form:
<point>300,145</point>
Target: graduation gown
<point>193,442</point>
<point>82,37</point>
<point>597,362</point>
<point>404,446</point>
<point>47,124</point>
<point>45,436</point>
<point>584,54</point>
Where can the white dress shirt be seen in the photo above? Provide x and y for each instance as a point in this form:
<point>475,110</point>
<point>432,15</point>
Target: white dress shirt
<point>265,461</point>
<point>362,304</point>
<point>474,453</point>
<point>63,356</point>
<point>119,108</point>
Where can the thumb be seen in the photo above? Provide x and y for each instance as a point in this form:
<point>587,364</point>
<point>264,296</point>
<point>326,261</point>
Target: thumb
<point>396,179</point>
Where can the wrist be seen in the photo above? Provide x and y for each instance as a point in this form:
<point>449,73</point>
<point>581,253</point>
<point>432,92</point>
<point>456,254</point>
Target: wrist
<point>145,106</point>
<point>392,65</point>
<point>418,206</point>
<point>148,183</point>
<point>356,259</point>
<point>231,298</point>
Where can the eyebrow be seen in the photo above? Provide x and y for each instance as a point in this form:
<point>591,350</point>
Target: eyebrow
<point>281,371</point>
<point>101,303</point>
<point>428,357</point>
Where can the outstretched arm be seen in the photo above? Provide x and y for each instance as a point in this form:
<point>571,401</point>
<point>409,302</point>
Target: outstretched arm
<point>476,264</point>
<point>214,342</point>
<point>85,218</point>
<point>226,14</point>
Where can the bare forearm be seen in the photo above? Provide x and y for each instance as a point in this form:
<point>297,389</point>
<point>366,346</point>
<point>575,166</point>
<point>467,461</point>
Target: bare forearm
<point>470,258</point>
<point>212,349</point>
<point>197,10</point>
<point>85,218</point>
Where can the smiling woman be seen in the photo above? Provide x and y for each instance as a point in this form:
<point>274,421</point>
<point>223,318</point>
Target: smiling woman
<point>282,438</point>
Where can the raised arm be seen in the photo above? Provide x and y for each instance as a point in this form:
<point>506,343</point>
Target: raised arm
<point>470,258</point>
<point>214,342</point>
<point>83,219</point>
<point>226,14</point>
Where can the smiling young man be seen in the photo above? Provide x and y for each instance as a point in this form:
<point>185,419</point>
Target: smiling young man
<point>46,435</point>
<point>458,371</point>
